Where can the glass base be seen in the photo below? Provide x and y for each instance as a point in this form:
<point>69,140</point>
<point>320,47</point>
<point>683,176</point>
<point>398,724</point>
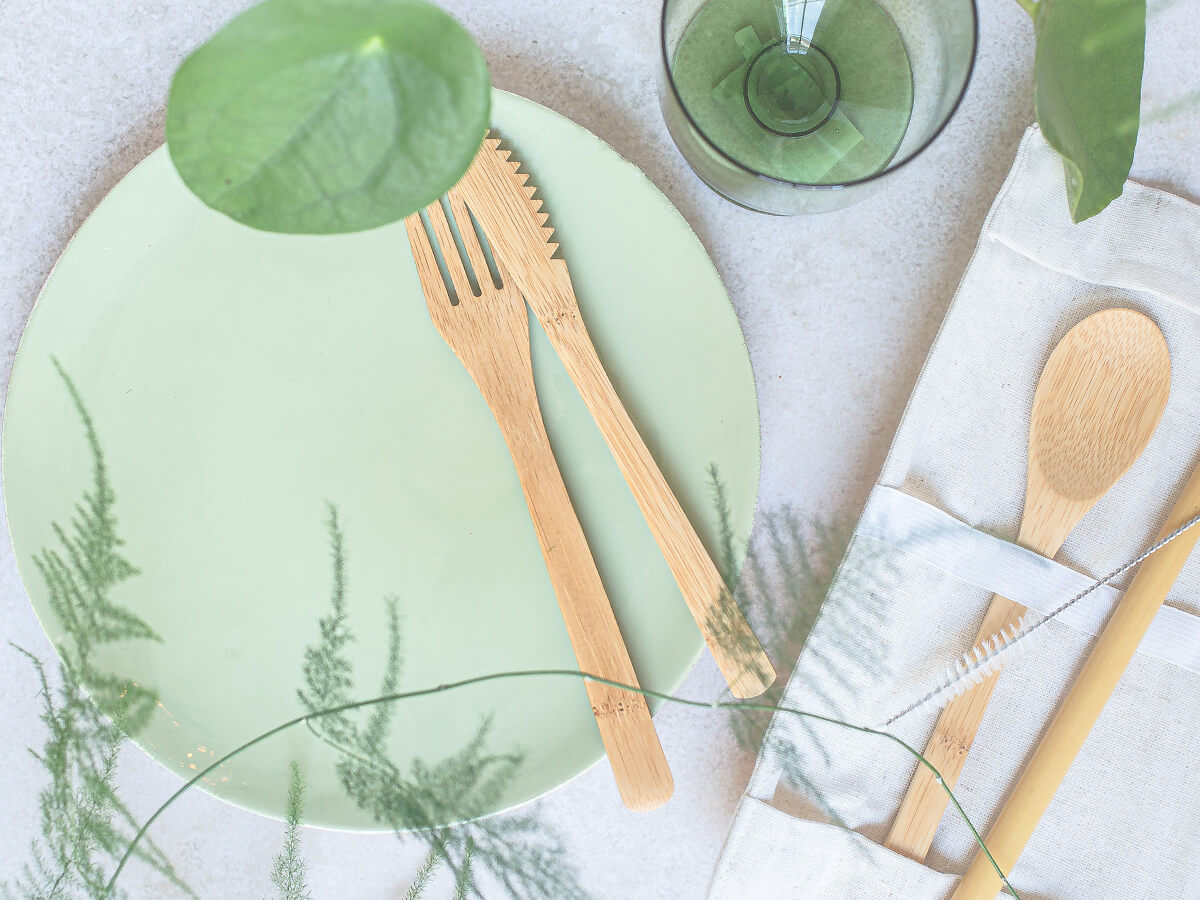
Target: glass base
<point>792,88</point>
<point>743,189</point>
<point>808,91</point>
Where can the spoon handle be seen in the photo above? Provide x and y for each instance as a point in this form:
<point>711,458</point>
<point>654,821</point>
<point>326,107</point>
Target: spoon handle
<point>1064,738</point>
<point>925,801</point>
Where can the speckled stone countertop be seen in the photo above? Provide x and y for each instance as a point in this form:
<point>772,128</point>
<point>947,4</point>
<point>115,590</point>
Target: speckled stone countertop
<point>838,312</point>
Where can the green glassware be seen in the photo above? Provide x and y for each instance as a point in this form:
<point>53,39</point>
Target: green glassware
<point>793,106</point>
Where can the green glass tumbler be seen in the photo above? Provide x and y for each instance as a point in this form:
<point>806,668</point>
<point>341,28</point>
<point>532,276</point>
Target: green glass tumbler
<point>805,106</point>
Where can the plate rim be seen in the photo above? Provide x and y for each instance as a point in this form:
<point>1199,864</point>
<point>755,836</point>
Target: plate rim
<point>655,703</point>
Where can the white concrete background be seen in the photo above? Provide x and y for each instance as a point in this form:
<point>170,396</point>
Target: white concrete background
<point>838,312</point>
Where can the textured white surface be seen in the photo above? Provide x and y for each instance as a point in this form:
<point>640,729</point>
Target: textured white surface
<point>838,312</point>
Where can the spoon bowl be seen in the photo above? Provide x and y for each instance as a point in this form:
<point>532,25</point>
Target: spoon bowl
<point>1097,403</point>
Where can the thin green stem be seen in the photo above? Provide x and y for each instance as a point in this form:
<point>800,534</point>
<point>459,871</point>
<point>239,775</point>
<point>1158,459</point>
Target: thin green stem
<point>539,673</point>
<point>1030,6</point>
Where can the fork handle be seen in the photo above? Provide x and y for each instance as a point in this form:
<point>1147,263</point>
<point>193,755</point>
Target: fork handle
<point>729,637</point>
<point>639,765</point>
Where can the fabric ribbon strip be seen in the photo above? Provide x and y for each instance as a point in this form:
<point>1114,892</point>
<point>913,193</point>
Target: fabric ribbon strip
<point>990,563</point>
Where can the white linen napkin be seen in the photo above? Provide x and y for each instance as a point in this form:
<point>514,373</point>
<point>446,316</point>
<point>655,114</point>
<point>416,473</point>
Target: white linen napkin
<point>931,548</point>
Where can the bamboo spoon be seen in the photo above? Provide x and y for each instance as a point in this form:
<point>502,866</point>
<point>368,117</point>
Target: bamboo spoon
<point>490,335</point>
<point>515,226</point>
<point>1079,711</point>
<point>1098,401</point>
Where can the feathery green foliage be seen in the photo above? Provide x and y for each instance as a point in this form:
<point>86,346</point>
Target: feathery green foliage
<point>289,871</point>
<point>781,585</point>
<point>424,875</point>
<point>463,884</point>
<point>725,624</point>
<point>80,576</point>
<point>424,801</point>
<point>725,538</point>
<point>327,670</point>
<point>89,713</point>
<point>84,822</point>
<point>787,580</point>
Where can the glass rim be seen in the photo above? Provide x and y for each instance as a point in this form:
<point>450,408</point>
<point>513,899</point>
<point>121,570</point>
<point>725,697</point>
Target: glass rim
<point>887,170</point>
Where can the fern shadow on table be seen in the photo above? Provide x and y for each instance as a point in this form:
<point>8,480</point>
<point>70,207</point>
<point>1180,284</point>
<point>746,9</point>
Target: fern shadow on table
<point>781,585</point>
<point>791,568</point>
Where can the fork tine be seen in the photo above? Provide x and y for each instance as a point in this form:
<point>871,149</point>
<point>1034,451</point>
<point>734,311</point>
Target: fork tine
<point>470,239</point>
<point>445,239</point>
<point>427,266</point>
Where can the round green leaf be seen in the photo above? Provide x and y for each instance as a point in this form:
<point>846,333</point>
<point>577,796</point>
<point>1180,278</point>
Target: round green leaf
<point>323,116</point>
<point>1088,93</point>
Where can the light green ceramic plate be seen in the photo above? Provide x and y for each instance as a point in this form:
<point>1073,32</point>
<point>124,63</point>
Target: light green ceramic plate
<point>239,382</point>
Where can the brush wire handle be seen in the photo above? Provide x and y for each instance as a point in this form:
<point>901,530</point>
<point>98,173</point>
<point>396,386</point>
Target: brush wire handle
<point>1078,713</point>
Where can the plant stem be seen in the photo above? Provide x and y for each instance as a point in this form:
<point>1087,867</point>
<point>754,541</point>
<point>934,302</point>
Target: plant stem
<point>539,673</point>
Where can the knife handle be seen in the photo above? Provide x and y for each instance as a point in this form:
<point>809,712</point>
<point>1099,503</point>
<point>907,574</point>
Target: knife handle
<point>728,634</point>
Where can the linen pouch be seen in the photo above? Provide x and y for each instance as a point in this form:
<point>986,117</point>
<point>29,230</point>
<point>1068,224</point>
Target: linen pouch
<point>932,546</point>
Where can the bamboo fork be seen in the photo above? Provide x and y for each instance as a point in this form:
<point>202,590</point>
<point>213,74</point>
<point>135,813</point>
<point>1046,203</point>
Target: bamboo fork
<point>1063,740</point>
<point>490,335</point>
<point>515,225</point>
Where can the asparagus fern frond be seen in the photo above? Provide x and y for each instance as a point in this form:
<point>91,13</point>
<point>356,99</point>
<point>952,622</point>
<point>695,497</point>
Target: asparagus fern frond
<point>290,871</point>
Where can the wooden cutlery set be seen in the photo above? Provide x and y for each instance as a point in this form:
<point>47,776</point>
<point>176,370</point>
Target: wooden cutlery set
<point>482,253</point>
<point>1097,404</point>
<point>485,251</point>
